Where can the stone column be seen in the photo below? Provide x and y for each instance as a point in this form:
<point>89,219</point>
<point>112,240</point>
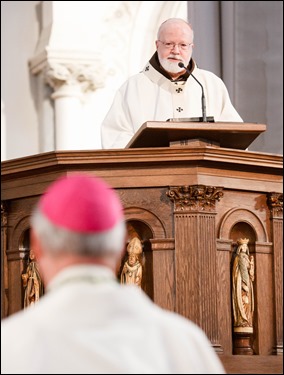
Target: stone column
<point>70,83</point>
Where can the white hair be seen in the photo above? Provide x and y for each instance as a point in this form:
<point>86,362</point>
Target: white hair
<point>173,21</point>
<point>55,239</point>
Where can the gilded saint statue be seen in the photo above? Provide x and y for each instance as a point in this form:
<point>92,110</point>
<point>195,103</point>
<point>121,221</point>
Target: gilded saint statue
<point>132,269</point>
<point>242,286</point>
<point>32,282</point>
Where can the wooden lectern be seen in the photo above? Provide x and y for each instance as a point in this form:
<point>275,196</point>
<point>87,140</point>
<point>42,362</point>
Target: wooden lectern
<point>227,134</point>
<point>190,203</point>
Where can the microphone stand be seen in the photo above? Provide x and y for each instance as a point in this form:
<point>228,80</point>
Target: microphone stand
<point>203,104</point>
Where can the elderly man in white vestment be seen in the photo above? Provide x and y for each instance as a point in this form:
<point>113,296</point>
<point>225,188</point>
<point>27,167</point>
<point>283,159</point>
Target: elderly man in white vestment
<point>87,322</point>
<point>164,90</point>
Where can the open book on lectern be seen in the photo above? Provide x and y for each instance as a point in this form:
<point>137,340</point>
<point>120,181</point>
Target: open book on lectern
<point>237,135</point>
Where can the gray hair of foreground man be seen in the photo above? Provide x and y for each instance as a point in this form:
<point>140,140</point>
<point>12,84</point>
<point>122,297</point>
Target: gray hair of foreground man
<point>80,215</point>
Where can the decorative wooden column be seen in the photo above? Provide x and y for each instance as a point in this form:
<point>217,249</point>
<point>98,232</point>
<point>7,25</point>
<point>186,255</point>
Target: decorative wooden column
<point>195,255</point>
<point>4,267</point>
<point>275,204</point>
<point>163,293</point>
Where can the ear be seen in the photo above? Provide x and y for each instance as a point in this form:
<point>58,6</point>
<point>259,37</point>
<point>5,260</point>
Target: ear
<point>35,245</point>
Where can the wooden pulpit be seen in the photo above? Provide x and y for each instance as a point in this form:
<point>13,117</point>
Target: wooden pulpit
<point>191,191</point>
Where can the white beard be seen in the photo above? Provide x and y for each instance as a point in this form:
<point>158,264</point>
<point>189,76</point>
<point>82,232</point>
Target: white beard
<point>171,66</point>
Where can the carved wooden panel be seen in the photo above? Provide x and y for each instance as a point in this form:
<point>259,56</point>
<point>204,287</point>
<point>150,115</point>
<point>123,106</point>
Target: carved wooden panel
<point>189,234</point>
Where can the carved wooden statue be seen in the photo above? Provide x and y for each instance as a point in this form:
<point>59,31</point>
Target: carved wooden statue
<point>242,288</point>
<point>132,268</point>
<point>32,282</point>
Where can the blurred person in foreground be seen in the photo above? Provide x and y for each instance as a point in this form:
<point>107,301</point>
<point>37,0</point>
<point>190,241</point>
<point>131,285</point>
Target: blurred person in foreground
<point>164,90</point>
<point>87,322</point>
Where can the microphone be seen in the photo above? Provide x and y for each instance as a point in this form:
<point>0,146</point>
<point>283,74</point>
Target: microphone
<point>203,105</point>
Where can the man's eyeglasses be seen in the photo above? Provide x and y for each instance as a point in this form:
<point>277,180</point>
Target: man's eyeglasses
<point>183,46</point>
